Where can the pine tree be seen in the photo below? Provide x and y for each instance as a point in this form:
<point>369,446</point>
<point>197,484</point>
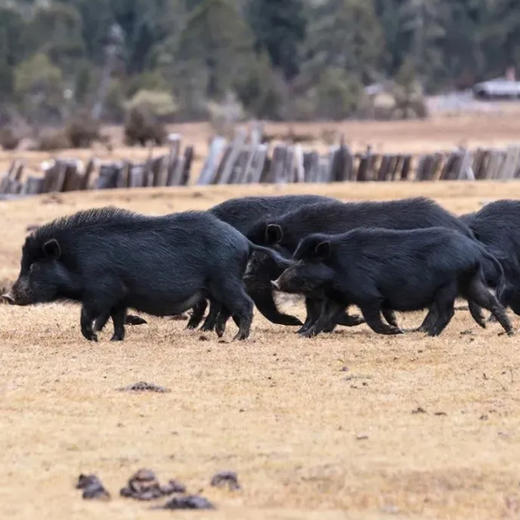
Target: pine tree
<point>345,34</point>
<point>279,28</point>
<point>214,50</point>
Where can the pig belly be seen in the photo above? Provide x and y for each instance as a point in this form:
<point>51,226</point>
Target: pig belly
<point>166,306</point>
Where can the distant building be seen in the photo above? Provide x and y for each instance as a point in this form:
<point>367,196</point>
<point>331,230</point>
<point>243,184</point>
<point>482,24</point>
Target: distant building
<point>500,88</point>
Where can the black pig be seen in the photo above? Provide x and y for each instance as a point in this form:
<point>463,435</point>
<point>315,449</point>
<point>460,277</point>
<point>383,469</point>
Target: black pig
<point>497,226</point>
<point>379,269</point>
<point>112,259</point>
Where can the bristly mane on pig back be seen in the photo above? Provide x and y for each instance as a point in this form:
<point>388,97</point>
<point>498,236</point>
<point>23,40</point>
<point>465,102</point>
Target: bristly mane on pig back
<point>82,220</point>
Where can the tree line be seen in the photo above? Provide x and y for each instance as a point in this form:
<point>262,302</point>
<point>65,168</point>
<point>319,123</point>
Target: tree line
<point>296,59</point>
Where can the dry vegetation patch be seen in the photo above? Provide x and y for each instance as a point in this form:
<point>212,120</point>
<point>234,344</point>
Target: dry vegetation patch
<point>315,429</point>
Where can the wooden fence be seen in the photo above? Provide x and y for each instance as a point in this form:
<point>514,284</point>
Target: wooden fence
<point>247,160</point>
<point>240,163</point>
<point>61,175</point>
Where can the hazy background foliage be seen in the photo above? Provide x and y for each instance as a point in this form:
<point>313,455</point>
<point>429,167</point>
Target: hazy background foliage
<point>296,59</point>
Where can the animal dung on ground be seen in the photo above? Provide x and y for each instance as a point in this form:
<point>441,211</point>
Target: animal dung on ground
<point>227,479</point>
<point>143,386</point>
<point>144,485</point>
<point>92,487</point>
<point>188,502</point>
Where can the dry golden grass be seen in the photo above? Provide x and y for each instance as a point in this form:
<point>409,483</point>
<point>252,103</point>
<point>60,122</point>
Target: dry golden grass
<point>316,429</point>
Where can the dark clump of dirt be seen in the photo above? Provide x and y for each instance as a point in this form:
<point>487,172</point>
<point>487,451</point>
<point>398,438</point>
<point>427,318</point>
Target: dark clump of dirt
<point>226,478</point>
<point>144,485</point>
<point>143,386</point>
<point>188,502</point>
<point>92,487</point>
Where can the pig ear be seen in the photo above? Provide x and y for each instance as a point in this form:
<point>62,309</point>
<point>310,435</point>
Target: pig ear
<point>273,234</point>
<point>322,250</point>
<point>52,248</point>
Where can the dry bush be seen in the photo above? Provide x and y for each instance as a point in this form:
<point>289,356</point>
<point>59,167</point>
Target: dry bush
<point>51,139</point>
<point>142,126</point>
<point>82,130</point>
<point>9,139</point>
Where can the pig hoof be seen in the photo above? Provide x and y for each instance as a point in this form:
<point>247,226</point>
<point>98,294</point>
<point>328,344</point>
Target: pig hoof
<point>192,324</point>
<point>116,338</point>
<point>134,320</point>
<point>90,335</point>
<point>220,331</point>
<point>208,328</point>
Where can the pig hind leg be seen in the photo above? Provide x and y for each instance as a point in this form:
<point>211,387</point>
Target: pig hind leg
<point>372,313</point>
<point>262,295</point>
<point>390,317</point>
<point>345,319</point>
<point>119,318</point>
<point>313,308</point>
<point>428,321</point>
<point>476,313</point>
<point>444,303</point>
<point>328,314</point>
<point>477,292</point>
<point>197,314</point>
<point>222,319</point>
<point>510,297</point>
<point>232,296</point>
<point>132,319</point>
<point>211,320</point>
<point>101,321</point>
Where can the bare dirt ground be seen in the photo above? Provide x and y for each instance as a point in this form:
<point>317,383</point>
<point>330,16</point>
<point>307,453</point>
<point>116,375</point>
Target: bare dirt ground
<point>346,426</point>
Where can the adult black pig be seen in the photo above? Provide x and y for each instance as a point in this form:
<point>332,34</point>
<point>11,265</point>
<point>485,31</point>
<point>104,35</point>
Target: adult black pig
<point>497,226</point>
<point>285,233</point>
<point>381,269</point>
<point>111,259</point>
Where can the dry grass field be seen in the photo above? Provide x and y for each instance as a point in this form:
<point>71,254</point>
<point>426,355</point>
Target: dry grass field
<point>328,428</point>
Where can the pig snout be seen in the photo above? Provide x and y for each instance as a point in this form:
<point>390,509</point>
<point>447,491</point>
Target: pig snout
<point>19,294</point>
<point>8,298</point>
<point>276,284</point>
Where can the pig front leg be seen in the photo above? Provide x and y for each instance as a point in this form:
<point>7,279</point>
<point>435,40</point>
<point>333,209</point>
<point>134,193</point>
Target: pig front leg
<point>87,318</point>
<point>329,310</point>
<point>118,317</point>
